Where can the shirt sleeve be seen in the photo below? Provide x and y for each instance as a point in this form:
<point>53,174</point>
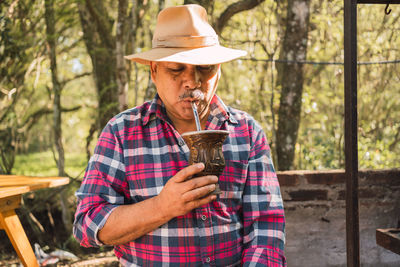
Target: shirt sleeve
<point>263,214</point>
<point>102,188</point>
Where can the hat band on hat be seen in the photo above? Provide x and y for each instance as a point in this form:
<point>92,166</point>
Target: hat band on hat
<point>185,41</point>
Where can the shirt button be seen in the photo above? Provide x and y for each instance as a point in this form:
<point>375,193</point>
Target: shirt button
<point>208,260</point>
<point>180,142</point>
<point>203,217</point>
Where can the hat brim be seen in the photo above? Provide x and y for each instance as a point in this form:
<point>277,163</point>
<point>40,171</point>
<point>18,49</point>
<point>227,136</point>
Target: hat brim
<point>196,56</point>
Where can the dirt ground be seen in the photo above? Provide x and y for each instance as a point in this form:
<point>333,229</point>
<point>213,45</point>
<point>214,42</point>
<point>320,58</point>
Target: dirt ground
<point>104,259</point>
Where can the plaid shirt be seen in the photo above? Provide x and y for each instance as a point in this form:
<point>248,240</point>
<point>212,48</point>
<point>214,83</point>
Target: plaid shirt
<point>136,154</point>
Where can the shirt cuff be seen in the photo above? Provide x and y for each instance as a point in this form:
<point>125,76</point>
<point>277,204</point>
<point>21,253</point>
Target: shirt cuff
<point>106,212</point>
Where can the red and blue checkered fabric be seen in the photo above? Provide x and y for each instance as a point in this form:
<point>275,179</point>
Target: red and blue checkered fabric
<point>136,154</point>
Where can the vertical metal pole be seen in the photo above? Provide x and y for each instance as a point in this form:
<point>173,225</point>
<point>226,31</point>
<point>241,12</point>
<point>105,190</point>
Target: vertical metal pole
<point>351,149</point>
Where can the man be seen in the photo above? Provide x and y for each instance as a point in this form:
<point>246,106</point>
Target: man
<point>138,193</point>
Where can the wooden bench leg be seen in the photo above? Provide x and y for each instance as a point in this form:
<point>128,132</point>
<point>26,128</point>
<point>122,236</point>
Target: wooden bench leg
<point>12,225</point>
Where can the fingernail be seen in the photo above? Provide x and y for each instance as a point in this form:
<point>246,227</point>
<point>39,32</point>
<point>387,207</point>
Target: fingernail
<point>200,165</point>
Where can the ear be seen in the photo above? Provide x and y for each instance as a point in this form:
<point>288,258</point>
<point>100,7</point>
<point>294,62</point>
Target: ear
<point>153,71</point>
<point>219,72</point>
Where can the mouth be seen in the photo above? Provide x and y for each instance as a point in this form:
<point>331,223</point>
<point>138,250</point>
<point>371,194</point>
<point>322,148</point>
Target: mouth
<point>192,95</point>
<point>188,102</point>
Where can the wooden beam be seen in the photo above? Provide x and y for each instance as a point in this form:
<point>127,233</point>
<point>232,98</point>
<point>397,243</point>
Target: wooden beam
<point>10,203</point>
<point>12,225</point>
<point>389,239</point>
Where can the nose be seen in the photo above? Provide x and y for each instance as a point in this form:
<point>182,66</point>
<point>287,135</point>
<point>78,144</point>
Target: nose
<point>191,78</point>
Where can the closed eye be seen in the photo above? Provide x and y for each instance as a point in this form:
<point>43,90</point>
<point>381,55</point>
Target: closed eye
<point>175,70</point>
<point>205,67</point>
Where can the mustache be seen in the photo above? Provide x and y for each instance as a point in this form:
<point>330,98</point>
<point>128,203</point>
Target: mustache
<point>196,94</point>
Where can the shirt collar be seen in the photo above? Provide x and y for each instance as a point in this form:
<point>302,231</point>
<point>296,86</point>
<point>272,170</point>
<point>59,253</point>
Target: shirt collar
<point>220,110</point>
<point>157,109</point>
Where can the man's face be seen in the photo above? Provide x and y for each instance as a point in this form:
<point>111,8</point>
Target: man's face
<point>174,81</point>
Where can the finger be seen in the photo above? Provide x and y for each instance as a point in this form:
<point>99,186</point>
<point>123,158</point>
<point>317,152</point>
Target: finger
<point>201,181</point>
<point>183,174</point>
<point>198,193</point>
<point>202,201</point>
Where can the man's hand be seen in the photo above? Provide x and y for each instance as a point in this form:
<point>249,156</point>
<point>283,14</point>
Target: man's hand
<point>181,194</point>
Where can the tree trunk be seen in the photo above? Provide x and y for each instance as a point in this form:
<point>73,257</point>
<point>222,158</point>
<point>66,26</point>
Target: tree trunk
<point>7,150</point>
<point>51,45</point>
<point>122,78</point>
<point>290,80</point>
<point>151,89</point>
<point>135,15</point>
<point>100,44</point>
<point>161,4</point>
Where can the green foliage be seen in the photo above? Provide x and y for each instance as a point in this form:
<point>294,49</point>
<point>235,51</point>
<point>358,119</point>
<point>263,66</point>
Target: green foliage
<point>18,25</point>
<point>379,87</point>
<point>26,121</point>
<point>43,164</point>
<point>321,134</point>
<point>248,83</point>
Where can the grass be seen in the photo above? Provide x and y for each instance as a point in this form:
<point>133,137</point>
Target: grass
<point>43,164</point>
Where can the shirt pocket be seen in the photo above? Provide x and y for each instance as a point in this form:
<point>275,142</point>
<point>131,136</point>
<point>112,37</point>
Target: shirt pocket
<point>231,182</point>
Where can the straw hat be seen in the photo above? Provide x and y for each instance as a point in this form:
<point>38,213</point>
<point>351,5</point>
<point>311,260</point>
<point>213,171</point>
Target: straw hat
<point>184,35</point>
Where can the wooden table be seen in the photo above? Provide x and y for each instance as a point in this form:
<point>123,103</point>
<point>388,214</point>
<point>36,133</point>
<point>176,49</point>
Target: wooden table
<point>11,189</point>
<point>389,238</point>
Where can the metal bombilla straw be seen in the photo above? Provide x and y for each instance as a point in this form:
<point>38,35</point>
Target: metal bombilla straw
<point>199,95</point>
<point>196,116</point>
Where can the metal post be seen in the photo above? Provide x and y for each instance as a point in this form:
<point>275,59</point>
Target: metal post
<point>351,149</point>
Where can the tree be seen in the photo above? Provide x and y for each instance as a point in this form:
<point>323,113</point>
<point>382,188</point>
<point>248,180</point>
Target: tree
<point>26,93</point>
<point>290,75</point>
<point>51,36</point>
<point>26,98</point>
<point>17,61</point>
<point>107,49</point>
<point>290,80</point>
<point>100,42</point>
<point>228,13</point>
<point>234,9</point>
<point>122,77</point>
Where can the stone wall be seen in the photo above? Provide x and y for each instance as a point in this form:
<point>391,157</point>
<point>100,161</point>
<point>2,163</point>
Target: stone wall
<point>315,211</point>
